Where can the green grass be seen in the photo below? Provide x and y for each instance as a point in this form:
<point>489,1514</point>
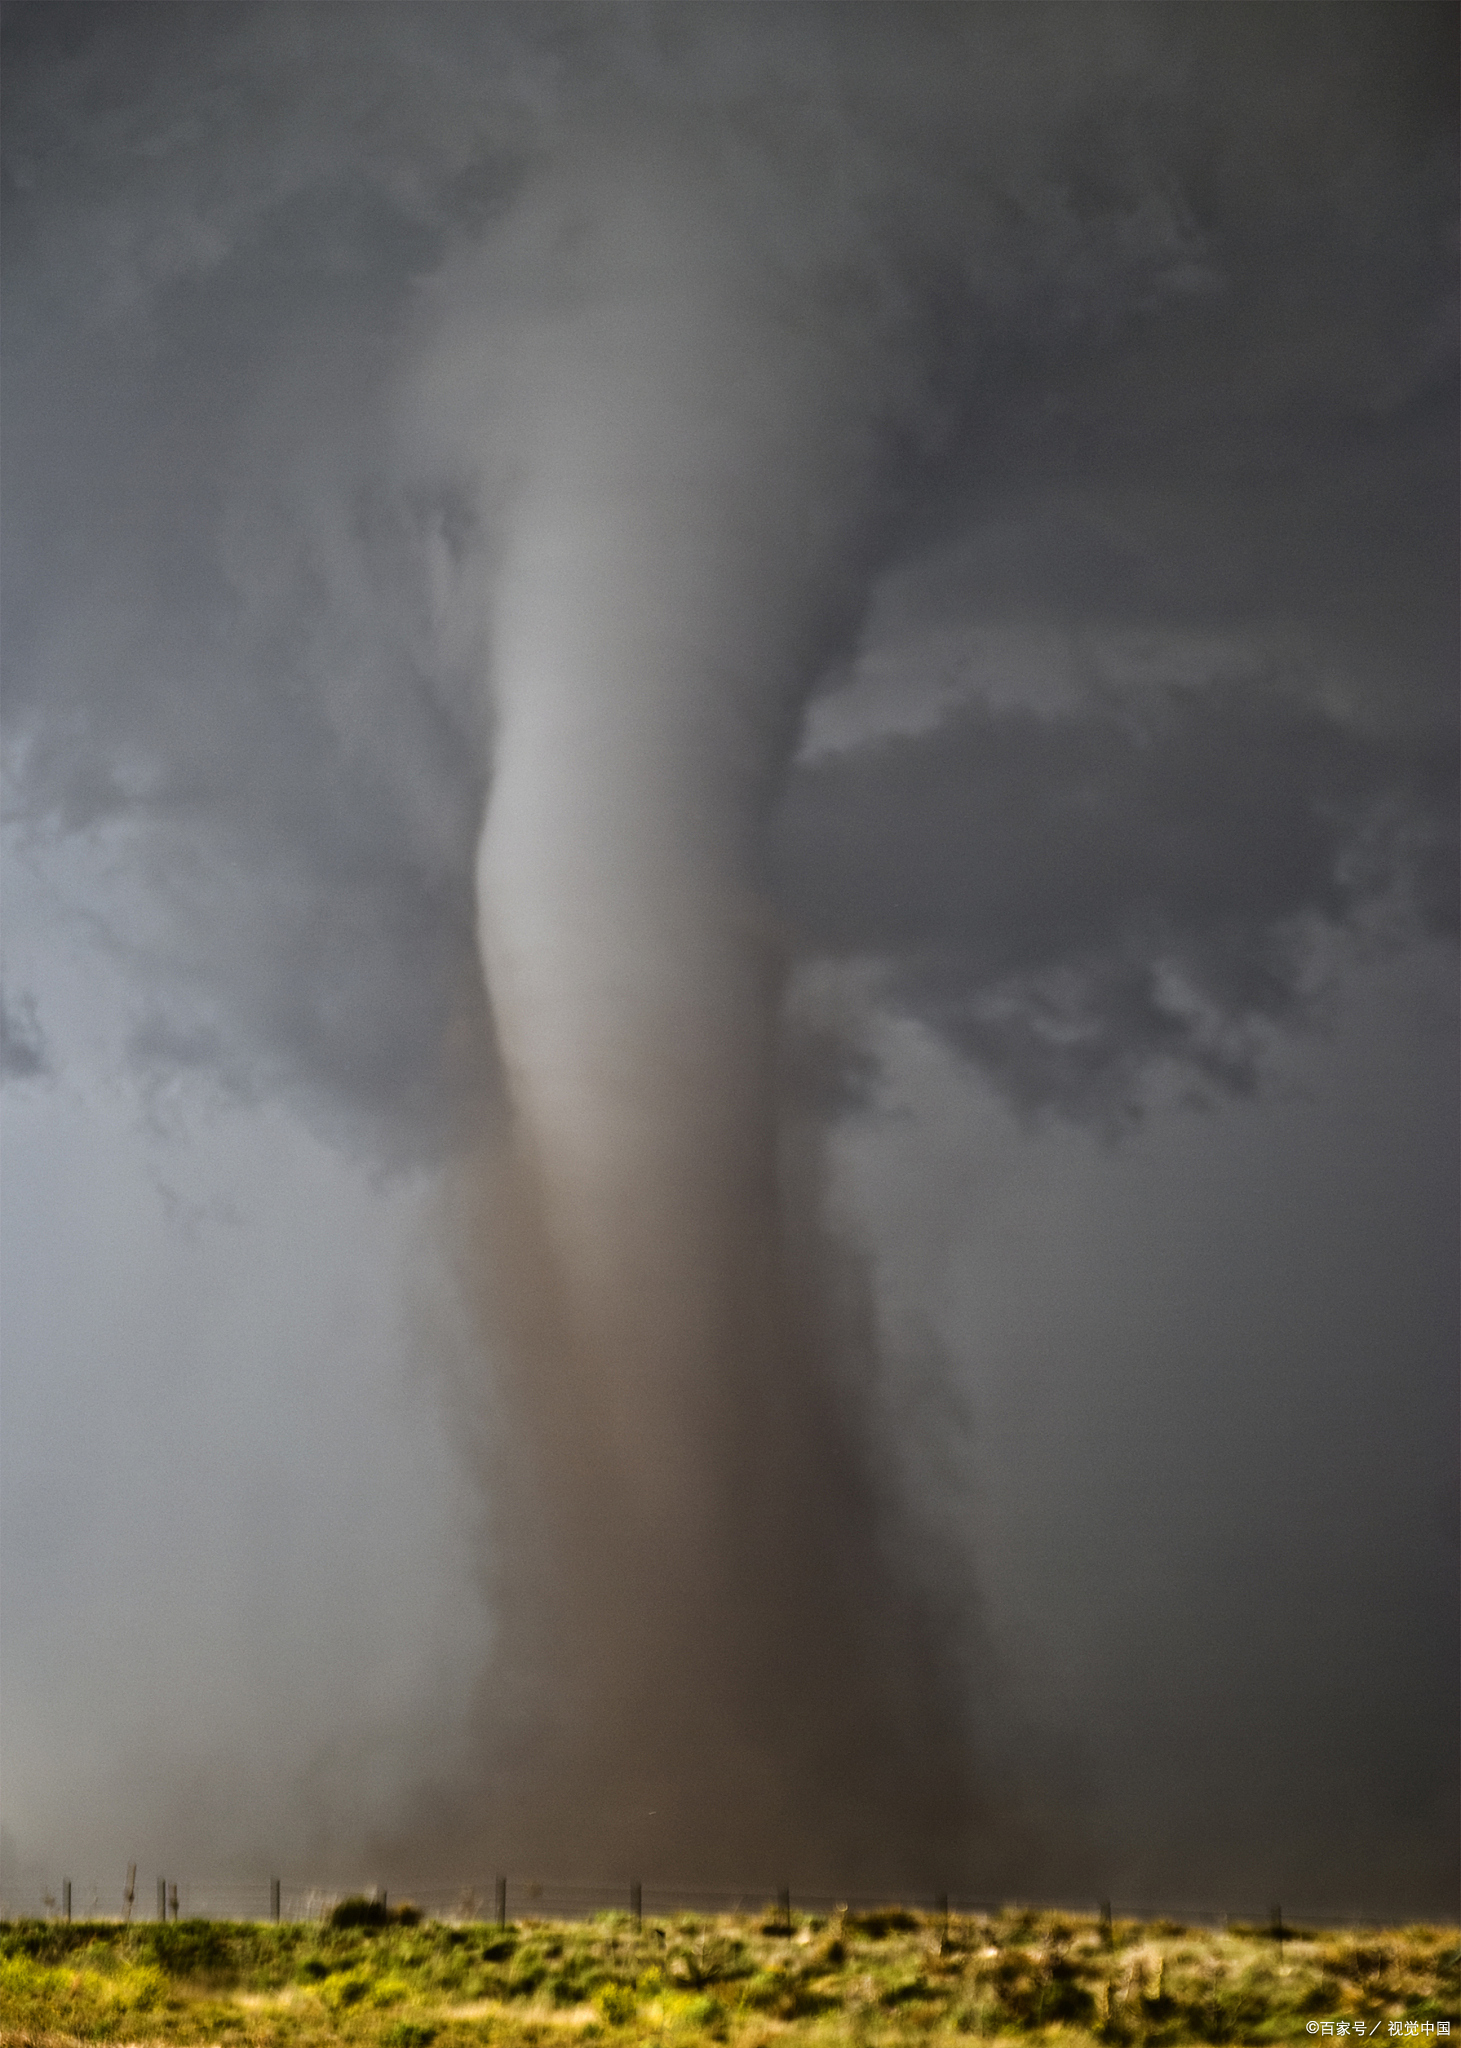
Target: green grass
<point>875,1980</point>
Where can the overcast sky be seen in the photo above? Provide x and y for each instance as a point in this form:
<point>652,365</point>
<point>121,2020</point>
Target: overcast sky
<point>1113,850</point>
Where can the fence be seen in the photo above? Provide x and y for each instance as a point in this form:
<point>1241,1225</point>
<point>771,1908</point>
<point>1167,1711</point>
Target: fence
<point>503,1899</point>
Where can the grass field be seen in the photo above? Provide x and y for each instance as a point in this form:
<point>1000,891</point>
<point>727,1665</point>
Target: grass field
<point>869,1980</point>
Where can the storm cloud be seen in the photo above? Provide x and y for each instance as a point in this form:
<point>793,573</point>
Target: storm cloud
<point>1073,899</point>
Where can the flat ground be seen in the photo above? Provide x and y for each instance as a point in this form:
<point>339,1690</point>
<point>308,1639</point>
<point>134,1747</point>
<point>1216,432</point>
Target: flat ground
<point>865,1980</point>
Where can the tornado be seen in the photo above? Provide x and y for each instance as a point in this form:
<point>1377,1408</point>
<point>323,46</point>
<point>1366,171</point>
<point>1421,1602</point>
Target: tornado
<point>721,1654</point>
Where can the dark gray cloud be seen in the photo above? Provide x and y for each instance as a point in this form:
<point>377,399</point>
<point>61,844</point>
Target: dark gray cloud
<point>1072,899</point>
<point>1184,288</point>
<point>218,666</point>
<point>23,1054</point>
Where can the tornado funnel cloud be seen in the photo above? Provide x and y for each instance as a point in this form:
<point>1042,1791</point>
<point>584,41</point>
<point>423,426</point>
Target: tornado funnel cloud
<point>711,1615</point>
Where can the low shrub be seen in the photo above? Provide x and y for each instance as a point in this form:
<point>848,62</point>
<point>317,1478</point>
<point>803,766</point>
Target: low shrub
<point>617,2003</point>
<point>362,1912</point>
<point>409,2034</point>
<point>885,1921</point>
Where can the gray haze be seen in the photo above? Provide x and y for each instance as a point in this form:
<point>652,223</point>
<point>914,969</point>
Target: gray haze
<point>730,947</point>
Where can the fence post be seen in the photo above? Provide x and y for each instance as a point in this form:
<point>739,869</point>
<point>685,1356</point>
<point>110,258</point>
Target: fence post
<point>274,1900</point>
<point>162,1898</point>
<point>636,1903</point>
<point>172,1900</point>
<point>130,1893</point>
<point>502,1902</point>
<point>66,1898</point>
<point>1278,1929</point>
